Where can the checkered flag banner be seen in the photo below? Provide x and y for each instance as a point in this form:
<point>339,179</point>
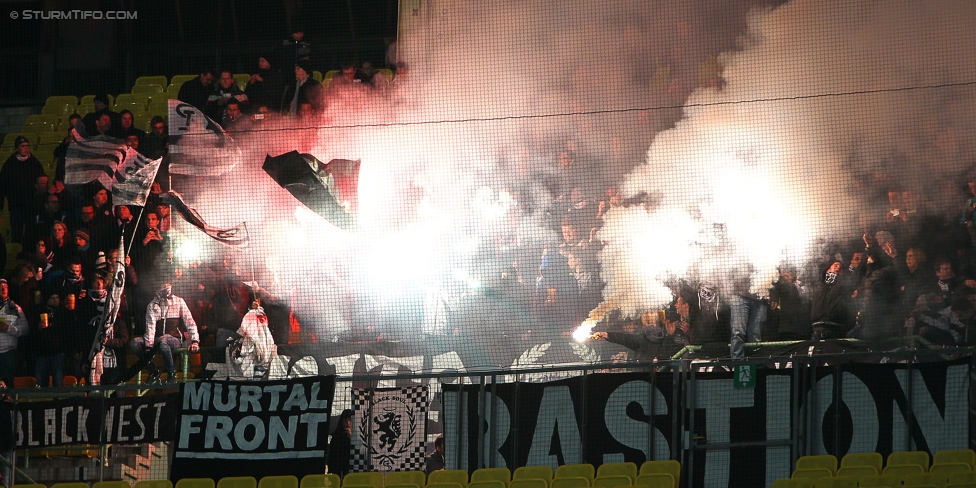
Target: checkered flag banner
<point>390,428</point>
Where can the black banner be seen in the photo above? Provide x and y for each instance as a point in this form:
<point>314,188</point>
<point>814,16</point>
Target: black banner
<point>253,428</point>
<point>726,436</point>
<point>85,420</point>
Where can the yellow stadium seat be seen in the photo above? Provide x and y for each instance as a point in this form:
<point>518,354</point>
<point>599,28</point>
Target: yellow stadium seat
<point>128,100</point>
<point>443,484</point>
<point>60,110</point>
<point>813,473</point>
<point>823,461</point>
<point>492,474</point>
<point>529,483</point>
<point>576,471</point>
<point>962,477</point>
<point>43,118</point>
<point>873,459</point>
<point>61,100</point>
<point>330,480</point>
<point>836,482</point>
<point>242,79</point>
<point>903,470</point>
<point>153,484</point>
<point>857,471</point>
<point>387,72</point>
<point>406,477</point>
<point>180,79</point>
<point>368,478</point>
<point>569,482</point>
<point>967,456</point>
<point>148,90</point>
<point>923,479</point>
<point>90,100</point>
<point>669,466</point>
<point>30,486</point>
<point>656,480</point>
<point>948,468</point>
<point>880,480</point>
<point>402,485</point>
<point>195,483</point>
<point>39,127</point>
<point>112,484</point>
<point>961,485</point>
<point>487,484</point>
<point>317,76</point>
<point>238,482</point>
<point>70,484</point>
<point>618,469</point>
<point>920,458</point>
<point>533,472</point>
<point>612,481</point>
<point>152,80</point>
<point>793,483</point>
<point>458,476</point>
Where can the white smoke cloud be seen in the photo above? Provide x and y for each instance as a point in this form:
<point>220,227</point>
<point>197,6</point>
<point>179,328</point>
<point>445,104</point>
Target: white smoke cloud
<point>813,122</point>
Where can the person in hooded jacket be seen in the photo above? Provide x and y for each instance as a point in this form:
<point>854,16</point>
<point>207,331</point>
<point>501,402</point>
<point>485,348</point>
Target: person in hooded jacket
<point>831,310</point>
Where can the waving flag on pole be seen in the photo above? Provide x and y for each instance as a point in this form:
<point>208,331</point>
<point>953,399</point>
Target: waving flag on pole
<point>99,356</point>
<point>234,236</point>
<point>117,167</point>
<point>198,146</point>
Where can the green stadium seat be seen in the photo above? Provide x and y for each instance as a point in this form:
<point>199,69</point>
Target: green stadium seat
<point>114,484</point>
<point>618,469</point>
<point>152,80</point>
<point>823,461</point>
<point>880,480</point>
<point>575,471</point>
<point>570,482</point>
<point>458,476</point>
<point>61,100</point>
<point>902,470</point>
<point>43,118</point>
<point>530,482</point>
<point>813,473</point>
<point>947,468</point>
<point>669,466</point>
<point>90,100</point>
<point>127,100</point>
<point>368,478</point>
<point>929,479</point>
<point>492,474</point>
<point>488,484</point>
<point>857,471</point>
<point>153,484</point>
<point>39,127</point>
<point>317,76</point>
<point>920,458</point>
<point>533,472</point>
<point>70,484</point>
<point>330,480</point>
<point>180,79</point>
<point>149,90</point>
<point>836,482</point>
<point>60,110</point>
<point>656,480</point>
<point>612,481</point>
<point>967,456</point>
<point>406,478</point>
<point>238,482</point>
<point>872,459</point>
<point>793,483</point>
<point>195,483</point>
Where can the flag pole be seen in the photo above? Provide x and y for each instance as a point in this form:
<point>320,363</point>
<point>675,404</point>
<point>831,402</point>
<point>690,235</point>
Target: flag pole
<point>250,256</point>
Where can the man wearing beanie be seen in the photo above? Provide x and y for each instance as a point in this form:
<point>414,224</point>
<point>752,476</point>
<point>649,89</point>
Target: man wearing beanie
<point>13,324</point>
<point>266,85</point>
<point>17,178</point>
<point>94,123</point>
<point>197,91</point>
<point>303,90</point>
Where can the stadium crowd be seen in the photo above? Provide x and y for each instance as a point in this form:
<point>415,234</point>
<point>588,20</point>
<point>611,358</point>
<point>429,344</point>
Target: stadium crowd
<point>879,285</point>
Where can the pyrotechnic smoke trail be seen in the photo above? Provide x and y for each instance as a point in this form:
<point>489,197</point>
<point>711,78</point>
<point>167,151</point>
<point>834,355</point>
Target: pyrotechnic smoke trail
<point>749,185</point>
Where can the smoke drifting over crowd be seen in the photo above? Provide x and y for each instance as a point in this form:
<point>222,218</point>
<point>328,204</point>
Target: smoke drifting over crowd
<point>796,120</point>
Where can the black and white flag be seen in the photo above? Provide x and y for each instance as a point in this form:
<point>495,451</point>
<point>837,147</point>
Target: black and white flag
<point>117,167</point>
<point>198,145</point>
<point>234,236</point>
<point>390,427</point>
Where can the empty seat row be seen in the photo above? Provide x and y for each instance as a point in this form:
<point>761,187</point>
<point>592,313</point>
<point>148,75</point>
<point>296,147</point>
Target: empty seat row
<point>965,479</point>
<point>901,463</point>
